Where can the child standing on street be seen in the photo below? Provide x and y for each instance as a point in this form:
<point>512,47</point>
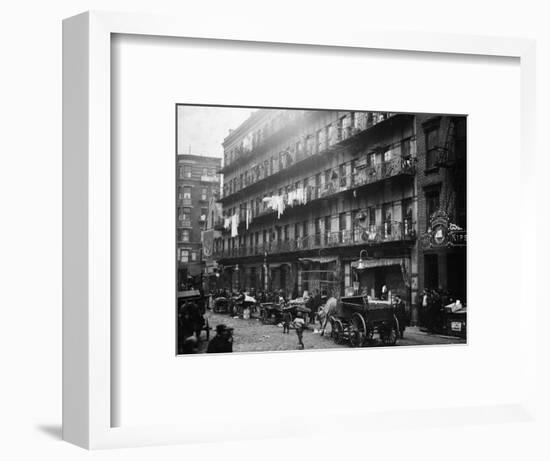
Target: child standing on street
<point>299,324</point>
<point>287,318</point>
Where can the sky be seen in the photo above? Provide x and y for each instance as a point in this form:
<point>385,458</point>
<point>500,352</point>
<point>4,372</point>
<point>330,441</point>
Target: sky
<point>202,129</point>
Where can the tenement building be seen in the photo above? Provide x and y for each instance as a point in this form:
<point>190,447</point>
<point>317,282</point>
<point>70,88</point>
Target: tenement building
<point>198,182</point>
<point>339,201</point>
<point>441,179</point>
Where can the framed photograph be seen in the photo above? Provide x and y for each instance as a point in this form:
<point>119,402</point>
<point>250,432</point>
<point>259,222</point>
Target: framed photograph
<point>254,219</point>
<point>348,227</point>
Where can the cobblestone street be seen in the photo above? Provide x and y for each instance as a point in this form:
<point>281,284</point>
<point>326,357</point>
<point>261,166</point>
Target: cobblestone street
<point>253,336</point>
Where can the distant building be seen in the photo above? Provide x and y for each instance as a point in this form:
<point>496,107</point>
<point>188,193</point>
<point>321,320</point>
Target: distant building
<point>198,182</point>
<point>211,232</point>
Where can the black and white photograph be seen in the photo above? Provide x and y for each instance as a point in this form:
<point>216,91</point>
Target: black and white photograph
<point>302,229</point>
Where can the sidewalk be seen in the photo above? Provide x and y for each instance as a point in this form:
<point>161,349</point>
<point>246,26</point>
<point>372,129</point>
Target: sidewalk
<point>418,331</point>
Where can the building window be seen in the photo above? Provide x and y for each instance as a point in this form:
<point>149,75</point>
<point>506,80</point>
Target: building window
<point>204,193</point>
<point>342,225</point>
<point>318,230</point>
<point>406,148</point>
<point>309,145</point>
<point>186,192</point>
<point>432,204</point>
<point>320,141</point>
<point>184,256</point>
<point>407,212</point>
<point>387,217</point>
<point>372,217</point>
<point>187,171</point>
<point>205,171</point>
<point>185,235</point>
<point>346,127</point>
<point>432,139</point>
<point>340,129</point>
<point>193,256</point>
<point>185,214</point>
<point>328,135</point>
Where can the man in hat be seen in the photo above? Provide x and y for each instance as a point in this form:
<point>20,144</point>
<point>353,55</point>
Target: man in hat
<point>223,341</point>
<point>401,314</point>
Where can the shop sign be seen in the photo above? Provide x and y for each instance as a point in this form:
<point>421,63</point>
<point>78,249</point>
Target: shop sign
<point>456,326</point>
<point>443,233</point>
<point>207,243</point>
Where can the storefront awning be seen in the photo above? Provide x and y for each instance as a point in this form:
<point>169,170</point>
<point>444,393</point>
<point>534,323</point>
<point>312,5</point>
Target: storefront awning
<point>379,262</point>
<point>320,259</point>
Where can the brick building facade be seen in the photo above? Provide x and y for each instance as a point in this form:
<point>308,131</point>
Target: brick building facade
<point>198,182</point>
<point>442,187</point>
<point>308,193</point>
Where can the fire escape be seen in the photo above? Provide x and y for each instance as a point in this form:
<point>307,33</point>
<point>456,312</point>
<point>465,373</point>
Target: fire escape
<point>447,159</point>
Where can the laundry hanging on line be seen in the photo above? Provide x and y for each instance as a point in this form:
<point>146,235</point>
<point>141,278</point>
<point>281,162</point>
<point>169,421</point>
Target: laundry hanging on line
<point>234,225</point>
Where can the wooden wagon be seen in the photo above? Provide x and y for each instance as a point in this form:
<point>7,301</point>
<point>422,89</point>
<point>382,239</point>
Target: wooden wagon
<point>357,320</point>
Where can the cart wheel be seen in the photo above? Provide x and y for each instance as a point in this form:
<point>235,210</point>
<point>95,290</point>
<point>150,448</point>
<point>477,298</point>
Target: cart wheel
<point>357,330</point>
<point>338,331</point>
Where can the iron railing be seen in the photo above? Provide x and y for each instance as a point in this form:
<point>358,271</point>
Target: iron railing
<point>364,176</point>
<point>390,231</point>
<point>305,152</point>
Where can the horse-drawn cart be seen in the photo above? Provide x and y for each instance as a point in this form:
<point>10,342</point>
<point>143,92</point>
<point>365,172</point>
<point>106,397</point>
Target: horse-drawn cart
<point>221,305</point>
<point>191,321</point>
<point>357,320</point>
<point>272,313</point>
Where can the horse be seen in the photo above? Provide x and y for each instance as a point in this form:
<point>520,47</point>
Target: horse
<point>326,311</point>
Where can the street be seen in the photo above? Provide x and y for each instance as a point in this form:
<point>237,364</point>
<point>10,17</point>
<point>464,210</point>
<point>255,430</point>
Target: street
<point>253,336</point>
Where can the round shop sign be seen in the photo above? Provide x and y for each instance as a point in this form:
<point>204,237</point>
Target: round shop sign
<point>440,234</point>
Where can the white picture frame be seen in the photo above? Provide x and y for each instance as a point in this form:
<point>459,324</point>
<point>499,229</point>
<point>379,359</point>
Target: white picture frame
<point>87,364</point>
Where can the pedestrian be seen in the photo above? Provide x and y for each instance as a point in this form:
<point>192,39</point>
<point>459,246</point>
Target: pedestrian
<point>384,295</point>
<point>299,325</point>
<point>287,318</point>
<point>424,309</point>
<point>222,342</point>
<point>400,314</point>
<point>316,303</point>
